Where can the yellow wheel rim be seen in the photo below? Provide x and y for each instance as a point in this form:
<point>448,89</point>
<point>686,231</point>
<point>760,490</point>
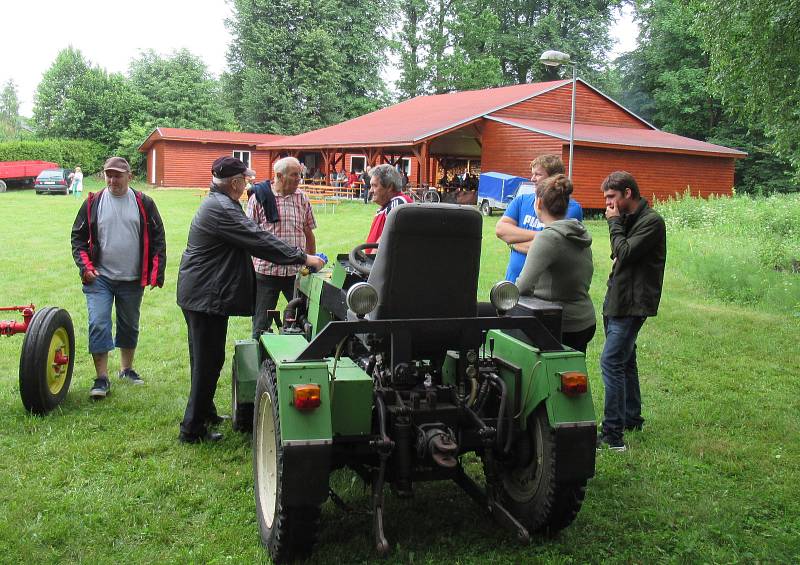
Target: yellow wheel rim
<point>56,366</point>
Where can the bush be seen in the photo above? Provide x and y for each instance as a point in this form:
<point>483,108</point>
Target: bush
<point>69,153</point>
<point>741,249</point>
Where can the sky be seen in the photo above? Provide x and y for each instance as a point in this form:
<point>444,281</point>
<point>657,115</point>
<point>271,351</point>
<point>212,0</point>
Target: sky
<point>111,37</point>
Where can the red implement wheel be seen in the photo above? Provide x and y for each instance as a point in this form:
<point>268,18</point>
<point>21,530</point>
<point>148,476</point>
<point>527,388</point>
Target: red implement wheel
<point>47,359</point>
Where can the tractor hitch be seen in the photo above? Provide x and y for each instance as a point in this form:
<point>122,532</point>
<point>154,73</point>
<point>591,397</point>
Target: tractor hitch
<point>11,327</point>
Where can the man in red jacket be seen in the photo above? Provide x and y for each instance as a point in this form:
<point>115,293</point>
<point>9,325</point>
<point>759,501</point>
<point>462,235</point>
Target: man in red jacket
<point>385,186</point>
<point>119,247</point>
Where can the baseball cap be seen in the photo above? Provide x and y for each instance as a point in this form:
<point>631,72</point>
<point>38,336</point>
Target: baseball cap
<point>226,167</point>
<point>117,164</point>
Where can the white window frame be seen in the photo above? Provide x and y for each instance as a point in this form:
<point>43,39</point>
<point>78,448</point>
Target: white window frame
<point>239,154</point>
<point>406,165</point>
<point>153,165</point>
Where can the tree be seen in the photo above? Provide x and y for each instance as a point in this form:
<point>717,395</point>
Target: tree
<point>409,45</point>
<point>177,91</point>
<point>667,75</point>
<point>755,59</point>
<point>78,100</point>
<point>298,65</point>
<point>9,111</point>
<point>668,81</point>
<point>463,44</point>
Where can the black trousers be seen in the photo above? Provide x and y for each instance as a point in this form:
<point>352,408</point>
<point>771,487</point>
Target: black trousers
<point>207,333</point>
<point>579,340</point>
<point>268,289</point>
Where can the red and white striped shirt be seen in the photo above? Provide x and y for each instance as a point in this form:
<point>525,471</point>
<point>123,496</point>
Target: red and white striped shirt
<point>294,216</point>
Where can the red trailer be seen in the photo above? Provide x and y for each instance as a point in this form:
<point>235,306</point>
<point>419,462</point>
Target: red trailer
<point>23,173</point>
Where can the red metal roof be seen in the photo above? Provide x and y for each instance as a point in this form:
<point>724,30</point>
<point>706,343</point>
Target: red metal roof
<point>586,134</point>
<point>206,136</point>
<point>416,119</point>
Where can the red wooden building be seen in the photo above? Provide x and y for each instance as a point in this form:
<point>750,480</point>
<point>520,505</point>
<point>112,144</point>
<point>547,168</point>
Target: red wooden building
<point>498,129</point>
<point>183,157</point>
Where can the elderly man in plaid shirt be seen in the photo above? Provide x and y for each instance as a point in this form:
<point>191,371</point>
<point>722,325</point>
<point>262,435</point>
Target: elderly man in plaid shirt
<point>286,213</point>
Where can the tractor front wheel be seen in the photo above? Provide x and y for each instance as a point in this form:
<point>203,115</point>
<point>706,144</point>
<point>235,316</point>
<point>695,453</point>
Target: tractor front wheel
<point>530,488</point>
<point>486,208</point>
<point>287,532</point>
<point>47,359</point>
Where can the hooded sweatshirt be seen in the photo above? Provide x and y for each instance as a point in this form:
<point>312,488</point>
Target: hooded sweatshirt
<point>559,268</point>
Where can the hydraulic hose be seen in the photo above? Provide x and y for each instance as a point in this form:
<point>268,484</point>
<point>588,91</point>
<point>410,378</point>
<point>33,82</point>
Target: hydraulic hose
<point>501,385</point>
<point>290,312</point>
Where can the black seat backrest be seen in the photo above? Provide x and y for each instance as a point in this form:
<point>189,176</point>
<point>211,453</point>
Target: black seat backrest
<point>428,262</point>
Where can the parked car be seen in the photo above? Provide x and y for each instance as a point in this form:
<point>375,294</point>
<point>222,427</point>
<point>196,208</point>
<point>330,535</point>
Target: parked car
<point>52,181</point>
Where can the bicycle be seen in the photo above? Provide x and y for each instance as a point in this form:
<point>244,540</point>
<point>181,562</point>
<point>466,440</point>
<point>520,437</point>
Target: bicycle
<point>423,194</point>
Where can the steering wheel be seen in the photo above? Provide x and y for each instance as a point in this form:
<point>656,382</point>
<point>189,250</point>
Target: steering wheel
<point>360,261</point>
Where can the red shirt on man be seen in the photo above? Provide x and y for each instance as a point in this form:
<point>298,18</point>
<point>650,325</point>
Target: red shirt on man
<point>376,229</point>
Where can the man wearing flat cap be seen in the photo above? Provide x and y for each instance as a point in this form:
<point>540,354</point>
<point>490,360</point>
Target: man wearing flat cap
<point>119,247</point>
<point>216,280</point>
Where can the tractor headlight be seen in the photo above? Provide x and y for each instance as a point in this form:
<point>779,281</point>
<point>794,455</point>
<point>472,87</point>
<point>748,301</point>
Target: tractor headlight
<point>504,296</point>
<point>362,298</point>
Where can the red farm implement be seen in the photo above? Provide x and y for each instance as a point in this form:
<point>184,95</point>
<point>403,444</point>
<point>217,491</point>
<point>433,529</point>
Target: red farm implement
<point>22,173</point>
<point>47,358</point>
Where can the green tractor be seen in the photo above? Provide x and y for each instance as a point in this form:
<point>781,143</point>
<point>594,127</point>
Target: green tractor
<point>386,363</point>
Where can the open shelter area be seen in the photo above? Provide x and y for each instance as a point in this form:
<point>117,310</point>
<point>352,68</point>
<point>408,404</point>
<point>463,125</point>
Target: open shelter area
<point>712,478</point>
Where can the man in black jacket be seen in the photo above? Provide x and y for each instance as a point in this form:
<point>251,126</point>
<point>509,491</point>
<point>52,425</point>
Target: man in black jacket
<point>119,247</point>
<point>216,280</point>
<point>639,252</point>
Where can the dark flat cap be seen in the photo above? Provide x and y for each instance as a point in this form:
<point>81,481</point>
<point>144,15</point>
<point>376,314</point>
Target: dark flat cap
<point>226,167</point>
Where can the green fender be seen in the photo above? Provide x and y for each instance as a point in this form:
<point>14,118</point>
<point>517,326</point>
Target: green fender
<point>535,377</point>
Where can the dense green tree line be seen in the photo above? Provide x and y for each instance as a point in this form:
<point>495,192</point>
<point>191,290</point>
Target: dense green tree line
<point>298,65</point>
<point>78,100</point>
<point>671,79</point>
<point>725,71</point>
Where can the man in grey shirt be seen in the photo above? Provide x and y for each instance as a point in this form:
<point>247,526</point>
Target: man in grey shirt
<point>119,247</point>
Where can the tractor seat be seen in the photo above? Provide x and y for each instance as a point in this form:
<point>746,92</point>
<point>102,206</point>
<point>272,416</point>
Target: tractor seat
<point>428,262</point>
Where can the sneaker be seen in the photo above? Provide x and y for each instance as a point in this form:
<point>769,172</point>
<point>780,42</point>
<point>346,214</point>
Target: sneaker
<point>613,444</point>
<point>131,376</point>
<point>101,388</point>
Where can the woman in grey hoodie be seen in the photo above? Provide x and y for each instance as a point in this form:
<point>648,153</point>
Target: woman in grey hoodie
<point>559,263</point>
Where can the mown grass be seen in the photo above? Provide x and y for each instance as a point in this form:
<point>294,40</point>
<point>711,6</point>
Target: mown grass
<point>713,478</point>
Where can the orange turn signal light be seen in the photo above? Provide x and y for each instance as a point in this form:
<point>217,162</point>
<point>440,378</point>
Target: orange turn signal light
<point>574,383</point>
<point>306,397</point>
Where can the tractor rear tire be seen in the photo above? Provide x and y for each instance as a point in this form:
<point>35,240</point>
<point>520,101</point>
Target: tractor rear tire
<point>288,533</point>
<point>531,490</point>
<point>47,359</point>
<point>241,412</point>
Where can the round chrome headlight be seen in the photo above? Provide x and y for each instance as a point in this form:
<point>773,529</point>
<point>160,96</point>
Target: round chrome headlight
<point>504,296</point>
<point>362,298</point>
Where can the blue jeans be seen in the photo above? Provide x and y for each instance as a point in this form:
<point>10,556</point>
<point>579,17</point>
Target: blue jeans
<point>126,296</point>
<point>623,402</point>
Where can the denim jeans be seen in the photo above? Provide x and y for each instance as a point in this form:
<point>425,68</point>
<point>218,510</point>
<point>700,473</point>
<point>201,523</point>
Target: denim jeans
<point>623,402</point>
<point>126,296</point>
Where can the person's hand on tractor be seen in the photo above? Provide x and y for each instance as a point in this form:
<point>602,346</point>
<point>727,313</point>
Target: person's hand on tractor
<point>316,262</point>
<point>89,276</point>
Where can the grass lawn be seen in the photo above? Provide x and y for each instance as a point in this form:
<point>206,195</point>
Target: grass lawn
<point>713,477</point>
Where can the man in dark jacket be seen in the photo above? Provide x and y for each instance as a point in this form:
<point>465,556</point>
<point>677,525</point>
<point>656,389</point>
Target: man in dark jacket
<point>639,252</point>
<point>216,280</point>
<point>119,247</point>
